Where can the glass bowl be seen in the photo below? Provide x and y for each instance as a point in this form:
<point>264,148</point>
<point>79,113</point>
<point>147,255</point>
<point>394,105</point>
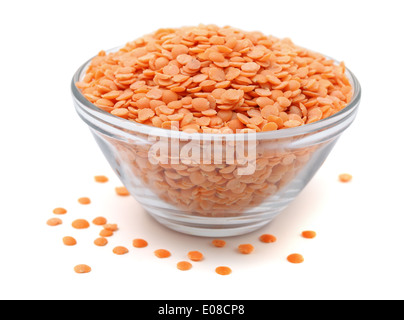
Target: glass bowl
<point>213,185</point>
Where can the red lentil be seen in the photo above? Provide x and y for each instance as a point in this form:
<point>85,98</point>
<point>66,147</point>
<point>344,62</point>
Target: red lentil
<point>101,179</point>
<point>309,234</point>
<point>84,200</point>
<point>184,265</point>
<point>140,243</point>
<point>69,241</point>
<point>295,258</point>
<point>82,268</point>
<point>245,248</point>
<point>162,253</point>
<point>59,211</point>
<point>195,255</point>
<point>80,224</point>
<point>223,270</point>
<point>101,242</point>
<point>345,177</point>
<point>54,222</point>
<point>120,250</point>
<point>267,238</point>
<point>100,221</point>
<point>122,191</point>
<point>219,243</point>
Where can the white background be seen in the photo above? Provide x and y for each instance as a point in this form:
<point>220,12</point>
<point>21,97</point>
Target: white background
<point>48,159</point>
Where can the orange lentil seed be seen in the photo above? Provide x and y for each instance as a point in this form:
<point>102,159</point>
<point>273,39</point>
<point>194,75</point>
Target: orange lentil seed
<point>184,265</point>
<point>106,233</point>
<point>80,224</point>
<point>295,258</point>
<point>84,200</point>
<point>195,255</point>
<point>100,221</point>
<point>267,238</point>
<point>59,211</point>
<point>120,250</point>
<point>101,179</point>
<point>69,241</point>
<point>111,227</point>
<point>246,248</point>
<point>308,234</point>
<point>82,268</point>
<point>53,222</point>
<point>219,243</point>
<point>139,243</point>
<point>345,177</point>
<point>223,270</point>
<point>101,242</point>
<point>162,253</point>
<point>122,191</point>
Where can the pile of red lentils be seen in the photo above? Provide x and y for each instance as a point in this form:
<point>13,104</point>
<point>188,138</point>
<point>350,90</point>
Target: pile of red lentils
<point>211,79</point>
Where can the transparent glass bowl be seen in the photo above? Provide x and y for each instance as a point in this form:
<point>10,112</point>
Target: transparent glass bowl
<point>213,185</point>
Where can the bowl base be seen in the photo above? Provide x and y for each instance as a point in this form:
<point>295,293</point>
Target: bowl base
<point>205,227</point>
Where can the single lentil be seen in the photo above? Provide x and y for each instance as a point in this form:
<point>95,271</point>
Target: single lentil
<point>184,265</point>
<point>223,270</point>
<point>246,248</point>
<point>308,234</point>
<point>120,250</point>
<point>101,179</point>
<point>82,268</point>
<point>101,242</point>
<point>295,258</point>
<point>122,191</point>
<point>195,255</point>
<point>139,243</point>
<point>59,211</point>
<point>80,224</point>
<point>345,177</point>
<point>53,222</point>
<point>162,253</point>
<point>267,238</point>
<point>69,241</point>
<point>84,200</point>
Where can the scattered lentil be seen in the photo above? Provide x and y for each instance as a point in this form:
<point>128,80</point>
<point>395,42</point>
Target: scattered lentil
<point>267,238</point>
<point>59,211</point>
<point>101,179</point>
<point>223,270</point>
<point>69,241</point>
<point>111,227</point>
<point>140,243</point>
<point>245,248</point>
<point>309,234</point>
<point>195,255</point>
<point>82,268</point>
<point>101,242</point>
<point>295,258</point>
<point>100,221</point>
<point>80,224</point>
<point>345,177</point>
<point>162,253</point>
<point>219,243</point>
<point>84,200</point>
<point>184,265</point>
<point>53,222</point>
<point>120,250</point>
<point>106,233</point>
<point>122,191</point>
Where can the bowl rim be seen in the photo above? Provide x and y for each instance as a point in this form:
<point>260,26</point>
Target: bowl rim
<point>131,126</point>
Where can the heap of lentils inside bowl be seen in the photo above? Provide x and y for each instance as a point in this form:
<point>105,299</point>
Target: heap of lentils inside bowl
<point>211,79</point>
